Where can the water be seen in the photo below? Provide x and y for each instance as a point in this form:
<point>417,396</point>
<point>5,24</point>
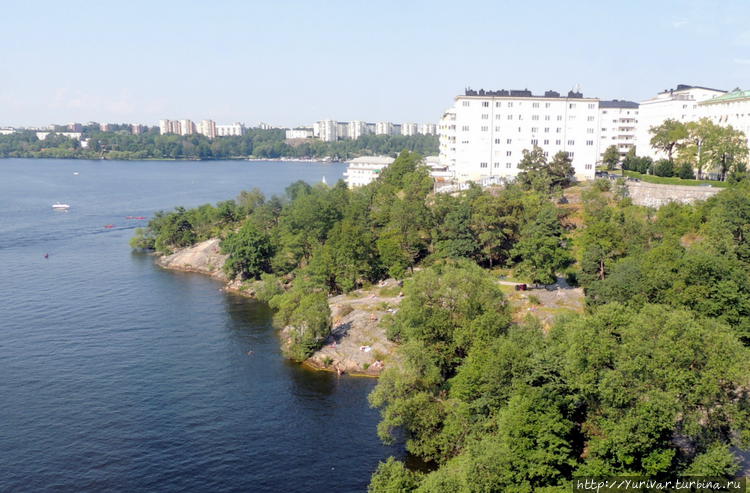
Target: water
<point>116,375</point>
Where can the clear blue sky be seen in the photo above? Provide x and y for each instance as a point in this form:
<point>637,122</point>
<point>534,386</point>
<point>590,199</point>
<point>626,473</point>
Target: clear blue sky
<point>290,62</point>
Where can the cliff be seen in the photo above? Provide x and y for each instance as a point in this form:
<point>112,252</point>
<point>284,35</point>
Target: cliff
<point>204,258</point>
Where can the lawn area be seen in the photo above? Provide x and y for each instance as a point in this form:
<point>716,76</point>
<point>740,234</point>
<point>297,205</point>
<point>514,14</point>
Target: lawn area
<point>674,181</point>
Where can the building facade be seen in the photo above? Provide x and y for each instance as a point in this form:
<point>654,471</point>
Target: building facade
<point>356,129</point>
<point>364,170</point>
<point>384,128</point>
<point>408,129</point>
<point>679,104</point>
<point>730,109</point>
<point>299,133</point>
<point>618,122</point>
<point>234,129</point>
<point>484,134</point>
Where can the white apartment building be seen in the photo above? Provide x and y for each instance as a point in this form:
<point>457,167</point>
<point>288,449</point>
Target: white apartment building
<point>299,133</point>
<point>384,128</point>
<point>235,129</point>
<point>187,127</point>
<point>364,170</point>
<point>679,104</point>
<point>427,129</point>
<point>328,130</point>
<point>732,108</point>
<point>342,130</point>
<point>356,129</point>
<point>492,128</point>
<point>408,129</point>
<point>207,128</point>
<point>618,121</point>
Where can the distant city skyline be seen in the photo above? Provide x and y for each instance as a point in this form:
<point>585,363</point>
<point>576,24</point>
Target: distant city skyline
<point>294,63</point>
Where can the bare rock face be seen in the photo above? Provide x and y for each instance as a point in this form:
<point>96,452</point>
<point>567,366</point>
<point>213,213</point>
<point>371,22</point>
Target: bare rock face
<point>204,258</point>
<point>358,344</point>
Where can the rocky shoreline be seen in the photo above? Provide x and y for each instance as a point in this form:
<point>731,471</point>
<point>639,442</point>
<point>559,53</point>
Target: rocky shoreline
<point>357,345</point>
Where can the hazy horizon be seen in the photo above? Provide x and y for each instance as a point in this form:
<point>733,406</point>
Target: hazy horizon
<point>295,63</point>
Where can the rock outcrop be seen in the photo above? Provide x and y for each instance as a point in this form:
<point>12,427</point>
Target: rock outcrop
<point>204,258</point>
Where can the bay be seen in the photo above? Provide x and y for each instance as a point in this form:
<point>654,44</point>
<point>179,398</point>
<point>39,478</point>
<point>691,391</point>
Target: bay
<point>116,375</point>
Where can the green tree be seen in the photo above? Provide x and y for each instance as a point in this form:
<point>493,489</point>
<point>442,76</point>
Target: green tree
<point>249,251</point>
<point>611,157</point>
<point>541,250</point>
<point>667,136</point>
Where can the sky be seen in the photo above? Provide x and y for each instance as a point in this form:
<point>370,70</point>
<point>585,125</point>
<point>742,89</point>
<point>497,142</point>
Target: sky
<point>291,63</point>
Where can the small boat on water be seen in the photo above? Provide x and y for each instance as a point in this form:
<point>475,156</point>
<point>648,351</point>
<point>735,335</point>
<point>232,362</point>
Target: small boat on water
<point>109,226</point>
<point>60,207</point>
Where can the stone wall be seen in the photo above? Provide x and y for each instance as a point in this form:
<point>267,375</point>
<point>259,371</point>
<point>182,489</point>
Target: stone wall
<point>655,195</point>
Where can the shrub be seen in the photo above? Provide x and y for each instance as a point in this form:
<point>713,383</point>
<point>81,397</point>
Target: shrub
<point>534,300</point>
<point>685,171</point>
<point>664,167</point>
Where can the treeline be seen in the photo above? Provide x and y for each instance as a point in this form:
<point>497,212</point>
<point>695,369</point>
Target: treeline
<point>652,381</point>
<point>254,143</point>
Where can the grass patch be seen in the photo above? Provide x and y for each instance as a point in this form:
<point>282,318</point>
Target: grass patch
<point>389,291</point>
<point>534,300</point>
<point>662,180</point>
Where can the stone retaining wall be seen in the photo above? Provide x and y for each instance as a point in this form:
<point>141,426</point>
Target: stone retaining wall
<point>656,195</point>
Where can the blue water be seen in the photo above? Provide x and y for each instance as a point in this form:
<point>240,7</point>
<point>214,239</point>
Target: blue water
<point>116,375</point>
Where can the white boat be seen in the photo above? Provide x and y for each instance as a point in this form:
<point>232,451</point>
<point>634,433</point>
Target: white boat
<point>60,207</point>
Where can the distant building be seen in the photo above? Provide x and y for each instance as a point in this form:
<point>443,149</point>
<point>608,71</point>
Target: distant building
<point>384,128</point>
<point>328,130</point>
<point>170,127</point>
<point>75,127</point>
<point>427,129</point>
<point>187,127</point>
<point>207,128</point>
<point>618,122</point>
<point>364,170</point>
<point>104,127</point>
<point>409,129</point>
<point>679,104</point>
<point>136,129</point>
<point>299,133</point>
<point>732,108</point>
<point>356,129</point>
<point>235,129</point>
<point>265,126</point>
<point>70,135</point>
<point>7,131</point>
<point>342,130</point>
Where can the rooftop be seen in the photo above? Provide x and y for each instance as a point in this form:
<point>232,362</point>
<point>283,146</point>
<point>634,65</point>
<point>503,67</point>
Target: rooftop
<point>618,104</point>
<point>685,87</point>
<point>735,95</point>
<point>520,93</point>
<point>386,160</point>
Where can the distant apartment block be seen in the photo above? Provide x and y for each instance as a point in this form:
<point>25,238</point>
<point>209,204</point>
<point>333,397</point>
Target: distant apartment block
<point>137,129</point>
<point>384,128</point>
<point>618,122</point>
<point>75,127</point>
<point>235,129</point>
<point>207,128</point>
<point>299,133</point>
<point>332,130</point>
<point>409,129</point>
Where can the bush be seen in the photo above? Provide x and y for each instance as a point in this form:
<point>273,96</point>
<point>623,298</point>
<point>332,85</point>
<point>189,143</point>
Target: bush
<point>664,167</point>
<point>571,277</point>
<point>602,185</point>
<point>685,171</point>
<point>268,287</point>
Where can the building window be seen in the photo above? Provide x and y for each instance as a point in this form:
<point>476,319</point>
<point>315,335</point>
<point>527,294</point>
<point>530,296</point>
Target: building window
<point>559,118</point>
<point>589,142</point>
<point>497,165</point>
<point>572,105</point>
<point>497,129</point>
<point>534,142</point>
<point>534,117</point>
<point>546,154</point>
<point>485,128</point>
<point>546,105</point>
<point>570,155</point>
<point>510,104</point>
<point>571,117</point>
<point>520,117</point>
<point>482,165</point>
<point>546,142</point>
<point>508,141</point>
<point>591,118</point>
<point>510,117</point>
<point>466,103</point>
<point>535,105</point>
<point>497,117</point>
<point>485,104</point>
<point>546,130</point>
<point>589,166</point>
<point>557,142</point>
<point>534,130</point>
<point>497,141</point>
<point>558,130</point>
<point>498,104</point>
<point>571,142</point>
<point>508,165</point>
<point>592,106</point>
<point>508,153</point>
<point>485,116</point>
<point>589,130</point>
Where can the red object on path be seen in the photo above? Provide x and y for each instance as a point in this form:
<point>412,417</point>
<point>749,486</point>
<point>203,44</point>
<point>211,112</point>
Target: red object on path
<point>109,226</point>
